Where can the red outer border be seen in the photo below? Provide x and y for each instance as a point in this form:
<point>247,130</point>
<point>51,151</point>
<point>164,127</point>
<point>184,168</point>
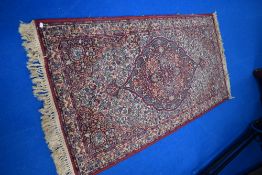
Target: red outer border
<point>116,18</point>
<point>76,170</point>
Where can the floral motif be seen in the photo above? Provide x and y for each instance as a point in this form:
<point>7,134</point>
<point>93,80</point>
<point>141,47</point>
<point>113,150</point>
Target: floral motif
<point>121,84</point>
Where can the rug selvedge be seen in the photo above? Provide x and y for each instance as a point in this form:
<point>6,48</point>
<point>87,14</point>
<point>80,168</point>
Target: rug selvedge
<point>113,86</point>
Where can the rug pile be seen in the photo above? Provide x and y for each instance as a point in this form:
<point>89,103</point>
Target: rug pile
<point>113,86</point>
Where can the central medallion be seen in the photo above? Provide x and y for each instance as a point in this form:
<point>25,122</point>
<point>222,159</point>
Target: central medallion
<point>161,76</point>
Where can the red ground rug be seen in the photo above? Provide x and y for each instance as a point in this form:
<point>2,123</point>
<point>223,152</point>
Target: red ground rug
<point>113,86</point>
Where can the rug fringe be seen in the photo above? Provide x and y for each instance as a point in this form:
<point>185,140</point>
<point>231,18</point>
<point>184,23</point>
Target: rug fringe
<point>41,89</point>
<point>223,55</point>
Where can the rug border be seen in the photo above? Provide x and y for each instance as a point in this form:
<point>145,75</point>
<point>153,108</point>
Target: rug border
<point>66,156</point>
<point>84,19</point>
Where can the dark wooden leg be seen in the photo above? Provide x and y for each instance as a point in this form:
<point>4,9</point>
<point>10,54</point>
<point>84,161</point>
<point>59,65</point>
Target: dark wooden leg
<point>258,74</point>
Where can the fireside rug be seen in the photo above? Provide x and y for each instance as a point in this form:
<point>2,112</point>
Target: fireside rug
<point>113,86</point>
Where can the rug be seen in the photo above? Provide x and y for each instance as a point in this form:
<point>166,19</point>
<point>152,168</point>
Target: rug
<point>113,86</point>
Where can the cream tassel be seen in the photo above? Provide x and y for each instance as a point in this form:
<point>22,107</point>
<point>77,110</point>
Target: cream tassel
<point>50,121</point>
<point>222,54</point>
